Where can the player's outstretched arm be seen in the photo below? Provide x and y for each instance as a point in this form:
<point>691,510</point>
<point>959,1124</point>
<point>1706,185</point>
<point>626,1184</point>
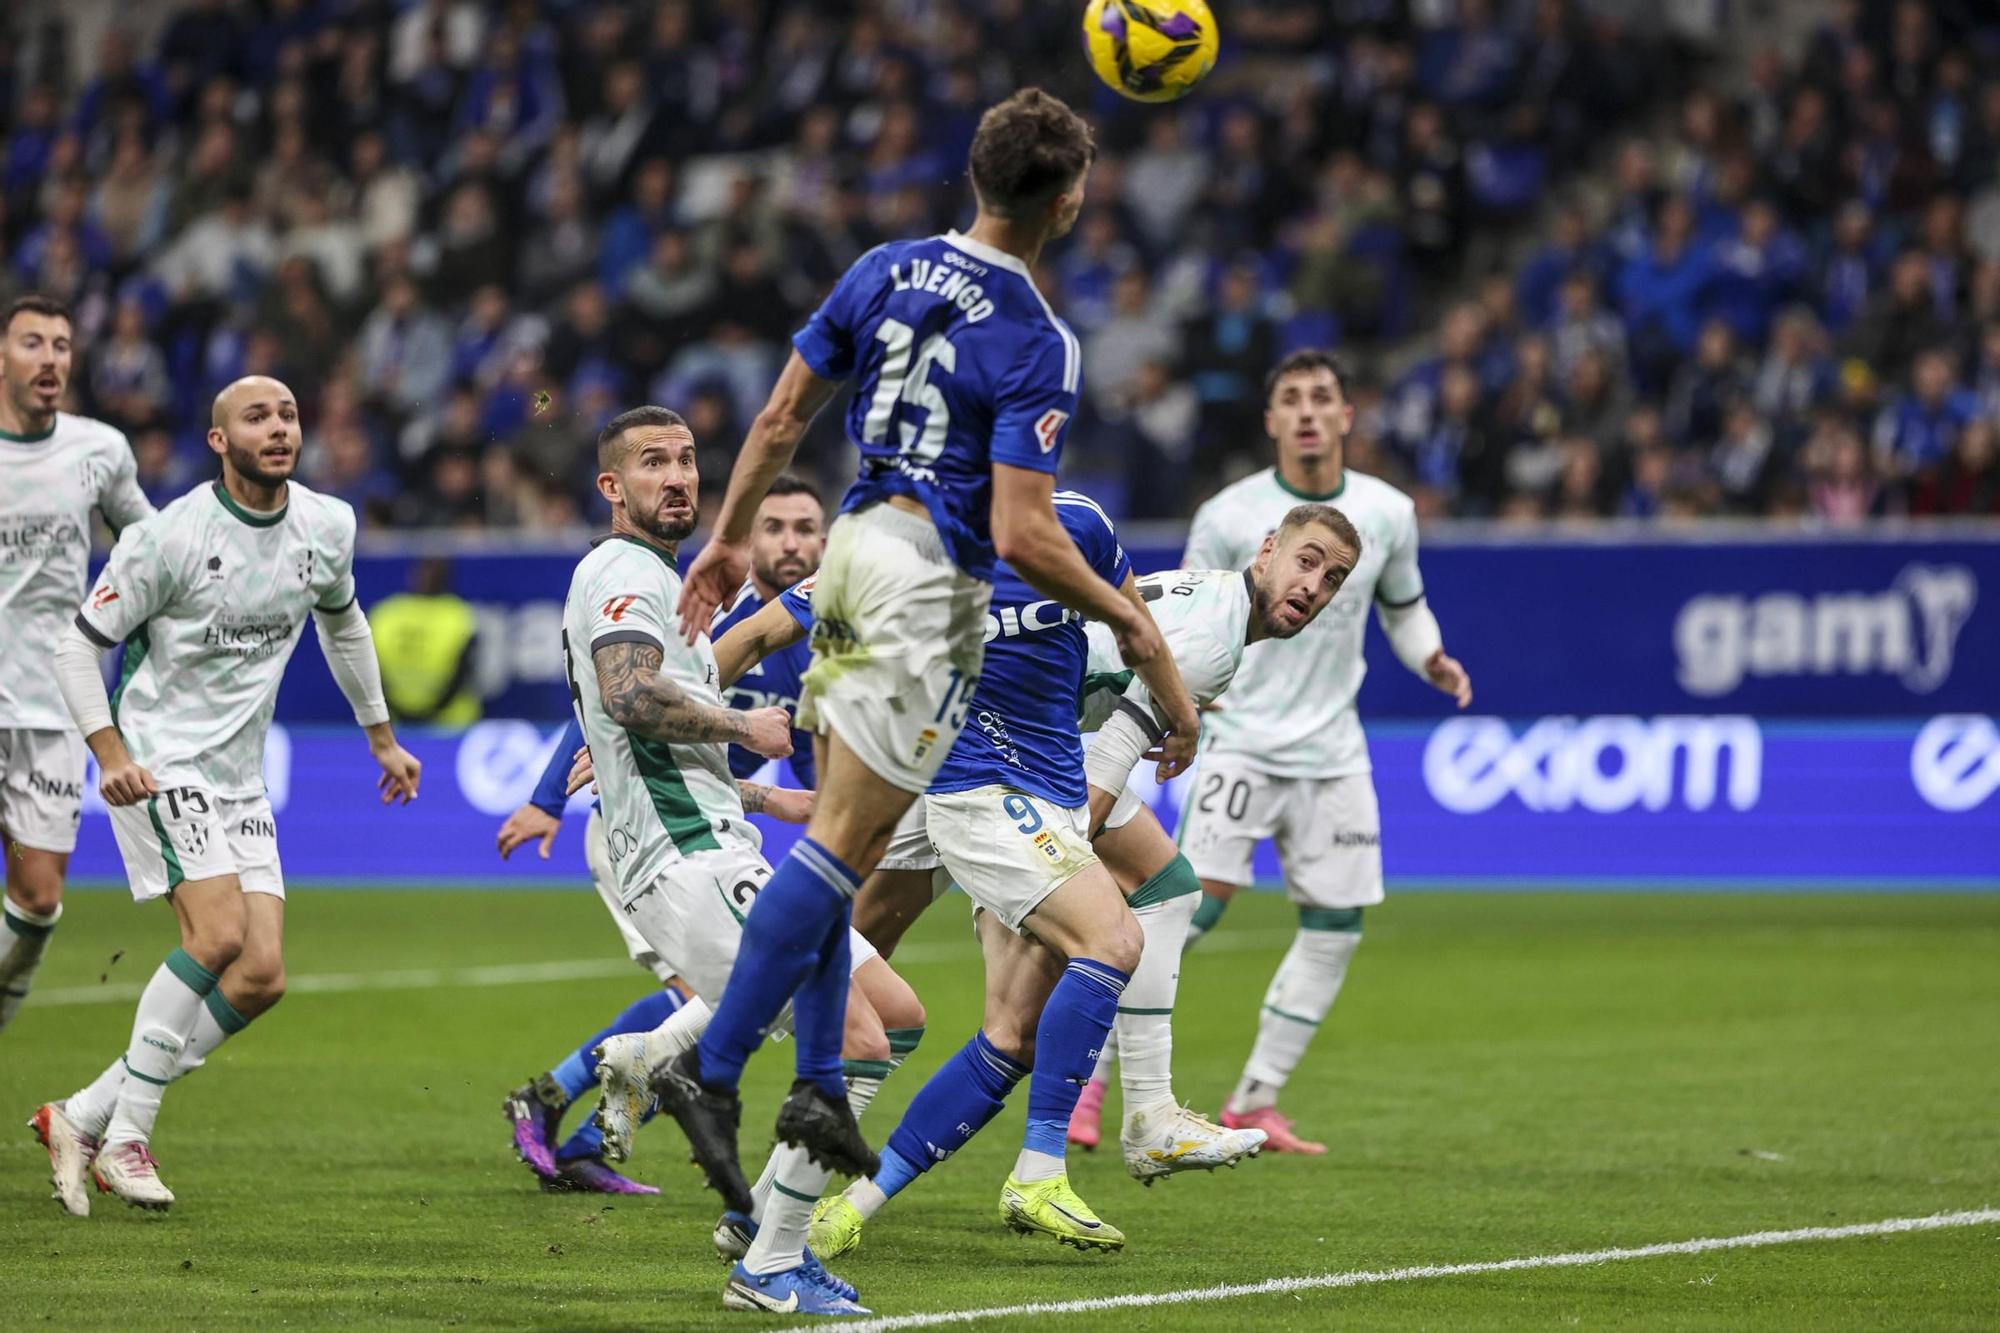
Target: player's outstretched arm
<point>641,700</point>
<point>1413,632</point>
<point>540,817</point>
<point>750,641</point>
<point>349,647</point>
<point>774,437</point>
<point>120,780</point>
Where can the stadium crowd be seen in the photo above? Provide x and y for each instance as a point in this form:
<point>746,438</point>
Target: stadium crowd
<point>467,234</point>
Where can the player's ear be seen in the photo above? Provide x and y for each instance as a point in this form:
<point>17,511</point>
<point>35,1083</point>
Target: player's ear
<point>608,487</point>
<point>218,444</point>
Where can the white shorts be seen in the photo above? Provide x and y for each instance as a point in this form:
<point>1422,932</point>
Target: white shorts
<point>1007,849</point>
<point>910,845</point>
<point>41,788</point>
<point>1124,809</point>
<point>898,636</point>
<point>1328,831</point>
<point>185,835</point>
<point>597,854</point>
<point>692,917</point>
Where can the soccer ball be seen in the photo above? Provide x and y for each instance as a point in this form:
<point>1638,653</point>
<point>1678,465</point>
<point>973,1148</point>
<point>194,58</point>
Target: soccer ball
<point>1150,50</point>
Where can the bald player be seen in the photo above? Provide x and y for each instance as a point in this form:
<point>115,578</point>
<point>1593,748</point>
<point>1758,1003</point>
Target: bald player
<point>209,598</point>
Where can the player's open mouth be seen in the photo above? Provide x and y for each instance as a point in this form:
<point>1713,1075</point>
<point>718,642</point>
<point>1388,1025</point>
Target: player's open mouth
<point>48,383</point>
<point>1296,609</point>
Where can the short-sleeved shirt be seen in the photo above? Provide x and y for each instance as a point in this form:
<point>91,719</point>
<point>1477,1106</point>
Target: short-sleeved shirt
<point>209,599</point>
<point>662,801</point>
<point>771,683</point>
<point>1204,616</point>
<point>1020,727</point>
<point>958,363</point>
<point>48,485</point>
<point>1291,709</point>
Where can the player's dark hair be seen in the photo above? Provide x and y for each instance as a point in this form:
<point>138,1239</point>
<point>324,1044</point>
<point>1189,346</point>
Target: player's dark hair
<point>1306,358</point>
<point>33,304</point>
<point>1027,150</point>
<point>786,483</point>
<point>1325,516</point>
<point>611,440</point>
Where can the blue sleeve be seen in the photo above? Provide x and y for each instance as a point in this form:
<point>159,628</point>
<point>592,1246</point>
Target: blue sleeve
<point>1034,402</point>
<point>1094,536</point>
<point>549,796</point>
<point>797,599</point>
<point>827,341</point>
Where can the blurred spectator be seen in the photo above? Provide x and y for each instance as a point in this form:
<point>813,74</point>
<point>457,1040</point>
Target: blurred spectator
<point>1917,429</point>
<point>405,350</point>
<point>1969,481</point>
<point>499,224</point>
<point>165,474</point>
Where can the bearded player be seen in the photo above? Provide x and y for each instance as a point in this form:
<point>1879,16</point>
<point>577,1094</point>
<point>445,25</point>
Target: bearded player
<point>1284,757</point>
<point>54,469</point>
<point>210,597</point>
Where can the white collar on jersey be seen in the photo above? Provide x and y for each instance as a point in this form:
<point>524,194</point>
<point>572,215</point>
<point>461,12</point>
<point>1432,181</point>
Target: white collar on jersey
<point>981,250</point>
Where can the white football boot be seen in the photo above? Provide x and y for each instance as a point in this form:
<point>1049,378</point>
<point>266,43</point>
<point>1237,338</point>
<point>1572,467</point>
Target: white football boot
<point>128,1171</point>
<point>1159,1144</point>
<point>624,1084</point>
<point>70,1154</point>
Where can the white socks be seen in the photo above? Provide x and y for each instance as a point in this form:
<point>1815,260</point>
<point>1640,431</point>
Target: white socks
<point>23,940</point>
<point>1145,1026</point>
<point>679,1033</point>
<point>90,1109</point>
<point>796,1182</point>
<point>167,1011</point>
<point>1102,1074</point>
<point>1298,998</point>
<point>864,1080</point>
<point>1032,1166</point>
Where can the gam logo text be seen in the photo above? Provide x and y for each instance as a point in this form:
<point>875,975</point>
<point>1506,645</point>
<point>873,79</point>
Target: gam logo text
<point>1908,631</point>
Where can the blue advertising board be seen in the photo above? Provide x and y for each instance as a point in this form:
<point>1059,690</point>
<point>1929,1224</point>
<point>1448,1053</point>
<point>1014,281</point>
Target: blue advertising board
<point>1900,626</point>
<point>1590,801</point>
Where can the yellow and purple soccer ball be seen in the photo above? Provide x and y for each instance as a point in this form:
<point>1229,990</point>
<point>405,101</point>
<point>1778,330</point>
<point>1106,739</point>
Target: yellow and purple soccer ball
<point>1150,50</point>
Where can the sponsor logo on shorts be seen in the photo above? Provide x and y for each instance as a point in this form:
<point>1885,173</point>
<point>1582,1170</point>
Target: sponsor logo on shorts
<point>1346,839</point>
<point>43,785</point>
<point>925,740</point>
<point>253,827</point>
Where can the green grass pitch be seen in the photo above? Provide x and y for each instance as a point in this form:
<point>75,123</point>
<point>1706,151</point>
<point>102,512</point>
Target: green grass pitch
<point>1506,1075</point>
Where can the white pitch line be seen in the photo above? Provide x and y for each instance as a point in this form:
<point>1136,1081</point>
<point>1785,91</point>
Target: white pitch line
<point>1281,1286</point>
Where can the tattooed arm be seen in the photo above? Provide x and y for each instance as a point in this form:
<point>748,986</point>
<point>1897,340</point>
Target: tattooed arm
<point>781,803</point>
<point>644,702</point>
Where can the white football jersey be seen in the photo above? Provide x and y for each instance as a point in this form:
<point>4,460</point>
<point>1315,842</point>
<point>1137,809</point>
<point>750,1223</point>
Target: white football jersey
<point>209,599</point>
<point>48,486</point>
<point>1290,711</point>
<point>1203,614</point>
<point>662,801</point>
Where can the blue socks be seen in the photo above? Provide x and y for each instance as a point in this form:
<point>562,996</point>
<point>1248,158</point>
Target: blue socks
<point>577,1074</point>
<point>1075,1022</point>
<point>794,943</point>
<point>947,1111</point>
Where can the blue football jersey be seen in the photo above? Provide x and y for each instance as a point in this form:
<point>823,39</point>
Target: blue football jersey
<point>1020,730</point>
<point>958,364</point>
<point>771,683</point>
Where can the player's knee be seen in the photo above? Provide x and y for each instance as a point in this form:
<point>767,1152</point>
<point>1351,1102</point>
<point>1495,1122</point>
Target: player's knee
<point>35,883</point>
<point>1012,1040</point>
<point>1121,942</point>
<point>263,983</point>
<point>866,1041</point>
<point>214,944</point>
